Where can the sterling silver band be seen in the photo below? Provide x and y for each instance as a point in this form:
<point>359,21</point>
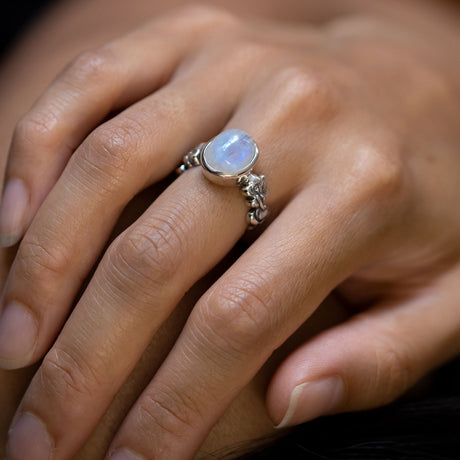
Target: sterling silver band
<point>252,186</point>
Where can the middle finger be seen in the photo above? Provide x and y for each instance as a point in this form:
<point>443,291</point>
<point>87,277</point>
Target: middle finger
<point>121,157</point>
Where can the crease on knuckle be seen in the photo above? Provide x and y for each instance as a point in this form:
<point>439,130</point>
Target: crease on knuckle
<point>108,151</point>
<point>238,314</point>
<point>395,369</point>
<point>65,376</point>
<point>37,128</point>
<point>39,261</point>
<point>150,255</point>
<point>169,412</point>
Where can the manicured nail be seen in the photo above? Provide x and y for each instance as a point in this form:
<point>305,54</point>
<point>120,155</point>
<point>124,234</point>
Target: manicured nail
<point>13,212</point>
<point>312,399</point>
<point>18,335</point>
<point>29,439</point>
<point>124,454</point>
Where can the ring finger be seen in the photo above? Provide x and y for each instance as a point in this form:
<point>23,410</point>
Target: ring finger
<point>140,279</point>
<point>117,160</point>
<point>234,328</point>
<point>96,83</point>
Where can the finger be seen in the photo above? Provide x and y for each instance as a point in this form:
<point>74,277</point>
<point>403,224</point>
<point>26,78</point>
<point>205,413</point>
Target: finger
<point>139,281</point>
<point>96,83</point>
<point>136,148</point>
<point>82,378</point>
<point>371,359</point>
<point>241,320</point>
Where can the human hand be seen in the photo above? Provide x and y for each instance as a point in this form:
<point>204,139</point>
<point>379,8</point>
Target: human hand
<point>366,109</point>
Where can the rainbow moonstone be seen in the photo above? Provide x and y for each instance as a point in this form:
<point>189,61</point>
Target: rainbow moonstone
<point>231,153</point>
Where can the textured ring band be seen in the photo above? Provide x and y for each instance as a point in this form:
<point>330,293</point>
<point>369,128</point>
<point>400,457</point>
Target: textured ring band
<point>228,159</point>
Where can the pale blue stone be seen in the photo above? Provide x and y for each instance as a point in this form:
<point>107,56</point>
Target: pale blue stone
<point>231,152</point>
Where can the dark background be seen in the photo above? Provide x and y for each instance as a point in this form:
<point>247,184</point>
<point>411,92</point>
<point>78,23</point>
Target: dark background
<point>15,15</point>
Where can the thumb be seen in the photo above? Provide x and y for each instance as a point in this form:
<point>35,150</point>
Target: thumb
<point>370,359</point>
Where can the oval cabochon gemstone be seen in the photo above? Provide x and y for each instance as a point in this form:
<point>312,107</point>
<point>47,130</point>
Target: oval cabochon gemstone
<point>232,153</point>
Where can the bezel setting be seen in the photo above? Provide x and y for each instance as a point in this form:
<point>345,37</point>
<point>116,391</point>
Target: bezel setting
<point>221,176</point>
<point>252,186</point>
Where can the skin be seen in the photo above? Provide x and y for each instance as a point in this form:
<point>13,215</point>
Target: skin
<point>386,178</point>
<point>56,38</point>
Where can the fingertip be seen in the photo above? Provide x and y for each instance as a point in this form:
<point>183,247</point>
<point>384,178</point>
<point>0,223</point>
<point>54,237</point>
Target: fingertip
<point>124,454</point>
<point>18,336</point>
<point>312,399</point>
<point>29,439</point>
<point>9,240</point>
<point>293,401</point>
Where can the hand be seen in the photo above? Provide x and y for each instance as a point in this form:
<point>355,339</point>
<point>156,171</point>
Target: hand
<point>356,124</point>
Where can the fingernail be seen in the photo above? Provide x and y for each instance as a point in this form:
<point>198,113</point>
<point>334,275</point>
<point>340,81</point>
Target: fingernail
<point>18,335</point>
<point>29,439</point>
<point>125,454</point>
<point>13,212</point>
<point>312,399</point>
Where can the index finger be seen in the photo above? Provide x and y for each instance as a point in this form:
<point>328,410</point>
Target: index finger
<point>95,84</point>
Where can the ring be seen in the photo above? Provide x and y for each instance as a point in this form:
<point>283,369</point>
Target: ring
<point>228,159</point>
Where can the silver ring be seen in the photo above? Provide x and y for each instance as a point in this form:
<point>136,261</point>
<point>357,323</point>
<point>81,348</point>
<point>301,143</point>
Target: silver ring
<point>228,159</point>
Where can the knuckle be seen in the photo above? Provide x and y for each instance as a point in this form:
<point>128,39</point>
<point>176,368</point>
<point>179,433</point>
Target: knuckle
<point>354,23</point>
<point>37,128</point>
<point>239,315</point>
<point>205,14</point>
<point>378,171</point>
<point>38,260</point>
<point>108,150</point>
<point>171,412</point>
<point>148,256</point>
<point>396,369</point>
<point>66,376</point>
<point>95,65</point>
<point>302,83</point>
<point>242,52</point>
<point>229,50</point>
<point>298,87</point>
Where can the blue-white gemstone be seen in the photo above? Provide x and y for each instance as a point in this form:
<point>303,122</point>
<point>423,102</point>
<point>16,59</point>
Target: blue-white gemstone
<point>232,152</point>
